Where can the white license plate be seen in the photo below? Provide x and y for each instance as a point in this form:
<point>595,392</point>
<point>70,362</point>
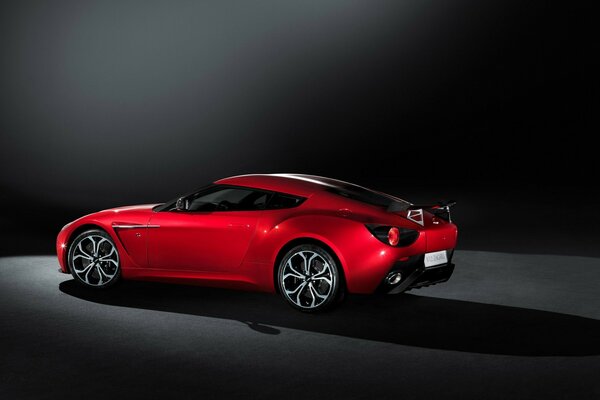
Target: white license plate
<point>435,258</point>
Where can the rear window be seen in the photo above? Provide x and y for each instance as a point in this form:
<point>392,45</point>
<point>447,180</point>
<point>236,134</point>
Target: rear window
<point>364,195</point>
<point>280,200</point>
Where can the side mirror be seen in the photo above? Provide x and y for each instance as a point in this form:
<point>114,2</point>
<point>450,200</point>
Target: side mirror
<point>182,204</point>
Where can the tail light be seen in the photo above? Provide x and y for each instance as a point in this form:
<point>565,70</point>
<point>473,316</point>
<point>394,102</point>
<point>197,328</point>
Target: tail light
<point>393,235</point>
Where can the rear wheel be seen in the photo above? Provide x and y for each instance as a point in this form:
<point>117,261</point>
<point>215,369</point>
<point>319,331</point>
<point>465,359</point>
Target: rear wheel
<point>309,278</point>
<point>94,259</point>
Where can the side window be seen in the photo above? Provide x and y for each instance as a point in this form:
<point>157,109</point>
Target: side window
<point>280,200</point>
<point>229,199</point>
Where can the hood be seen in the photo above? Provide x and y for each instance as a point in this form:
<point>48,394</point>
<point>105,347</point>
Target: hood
<point>140,207</point>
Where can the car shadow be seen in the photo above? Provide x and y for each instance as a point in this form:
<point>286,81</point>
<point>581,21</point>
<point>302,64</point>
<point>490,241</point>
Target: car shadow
<point>405,319</point>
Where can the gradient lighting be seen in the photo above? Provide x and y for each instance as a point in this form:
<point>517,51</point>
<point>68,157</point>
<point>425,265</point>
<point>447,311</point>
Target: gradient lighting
<point>177,91</point>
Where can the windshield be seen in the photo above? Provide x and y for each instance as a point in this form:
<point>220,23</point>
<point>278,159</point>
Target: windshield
<point>170,205</point>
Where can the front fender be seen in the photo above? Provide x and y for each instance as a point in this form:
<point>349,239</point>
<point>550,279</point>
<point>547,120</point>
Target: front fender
<point>68,234</point>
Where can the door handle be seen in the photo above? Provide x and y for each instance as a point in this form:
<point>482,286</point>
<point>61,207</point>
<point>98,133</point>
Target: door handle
<point>246,226</point>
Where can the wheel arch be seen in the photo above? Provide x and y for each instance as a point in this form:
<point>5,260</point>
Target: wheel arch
<point>307,240</point>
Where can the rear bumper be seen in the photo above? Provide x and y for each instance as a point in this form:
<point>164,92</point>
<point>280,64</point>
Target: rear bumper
<point>415,275</point>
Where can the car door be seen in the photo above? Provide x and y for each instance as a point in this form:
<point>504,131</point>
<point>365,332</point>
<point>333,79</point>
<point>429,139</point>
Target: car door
<point>211,234</point>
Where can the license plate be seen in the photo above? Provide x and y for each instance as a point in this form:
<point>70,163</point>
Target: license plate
<point>435,258</point>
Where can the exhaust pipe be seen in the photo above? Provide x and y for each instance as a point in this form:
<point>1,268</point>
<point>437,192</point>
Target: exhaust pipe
<point>393,278</point>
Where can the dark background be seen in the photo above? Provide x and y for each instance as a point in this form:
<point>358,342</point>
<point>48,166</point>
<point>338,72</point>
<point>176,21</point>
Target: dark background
<point>491,103</point>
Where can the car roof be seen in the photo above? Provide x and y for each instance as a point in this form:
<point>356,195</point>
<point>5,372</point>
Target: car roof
<point>296,184</point>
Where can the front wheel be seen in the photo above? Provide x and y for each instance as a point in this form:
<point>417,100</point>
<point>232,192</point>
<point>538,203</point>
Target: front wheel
<point>94,259</point>
<point>309,278</point>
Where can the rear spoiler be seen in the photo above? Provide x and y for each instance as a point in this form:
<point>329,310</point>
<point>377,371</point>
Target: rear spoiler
<point>440,209</point>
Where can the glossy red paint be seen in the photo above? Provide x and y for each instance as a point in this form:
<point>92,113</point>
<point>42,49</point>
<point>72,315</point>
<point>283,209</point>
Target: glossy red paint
<point>239,249</point>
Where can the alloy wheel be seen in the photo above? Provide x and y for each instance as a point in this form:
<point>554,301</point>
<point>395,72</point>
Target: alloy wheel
<point>95,260</point>
<point>307,279</point>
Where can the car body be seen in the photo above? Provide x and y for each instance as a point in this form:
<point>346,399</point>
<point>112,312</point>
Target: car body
<point>236,232</point>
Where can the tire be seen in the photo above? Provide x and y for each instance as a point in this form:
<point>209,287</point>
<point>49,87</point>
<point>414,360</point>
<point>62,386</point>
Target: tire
<point>312,290</point>
<point>94,260</point>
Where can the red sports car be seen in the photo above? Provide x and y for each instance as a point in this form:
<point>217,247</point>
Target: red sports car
<point>310,238</point>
